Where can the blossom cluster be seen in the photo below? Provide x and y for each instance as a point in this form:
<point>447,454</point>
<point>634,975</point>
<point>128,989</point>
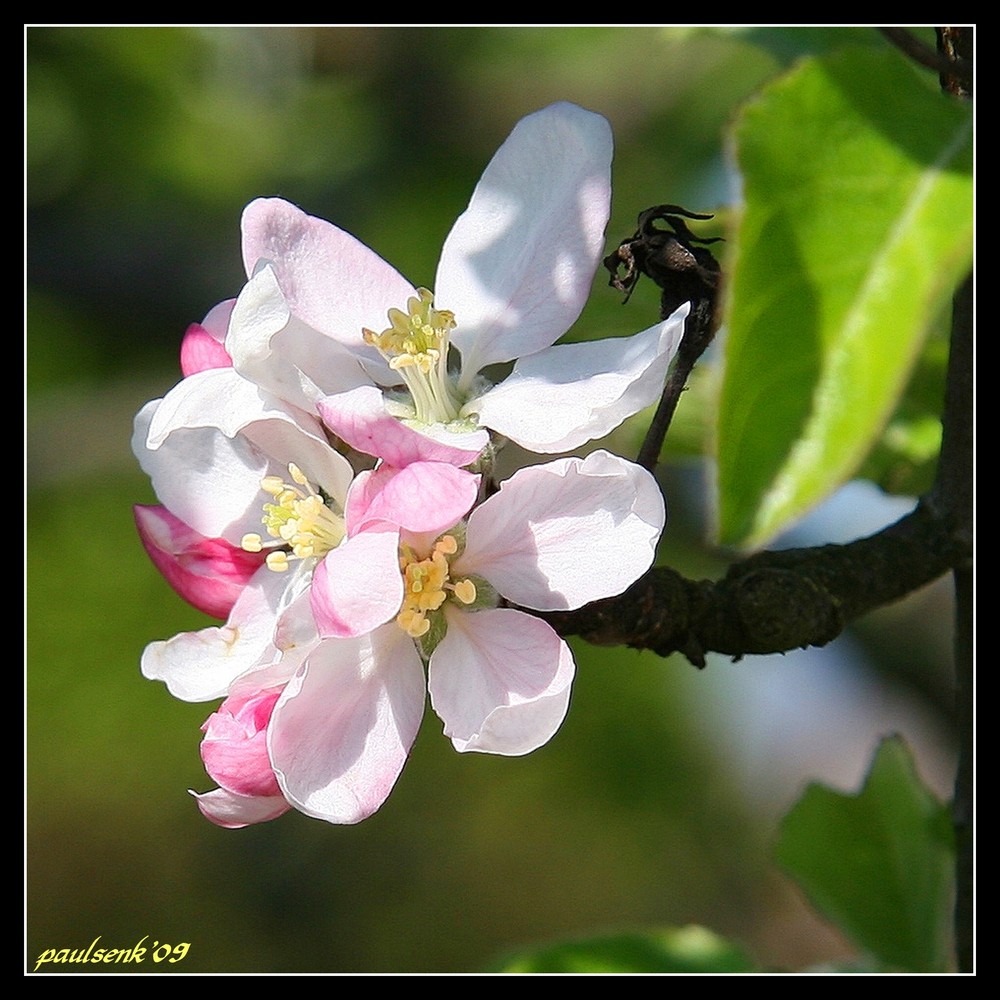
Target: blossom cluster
<point>327,485</point>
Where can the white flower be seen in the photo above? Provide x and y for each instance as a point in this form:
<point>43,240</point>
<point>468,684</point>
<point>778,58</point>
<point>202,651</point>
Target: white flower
<point>324,320</point>
<point>554,537</point>
<point>371,577</point>
<point>221,452</point>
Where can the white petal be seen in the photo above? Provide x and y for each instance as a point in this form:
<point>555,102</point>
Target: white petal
<point>560,535</point>
<point>500,680</point>
<point>217,397</point>
<point>209,442</point>
<point>517,267</point>
<point>208,480</point>
<point>562,397</point>
<point>283,354</point>
<point>331,280</point>
<point>200,666</point>
<point>233,811</point>
<point>343,727</point>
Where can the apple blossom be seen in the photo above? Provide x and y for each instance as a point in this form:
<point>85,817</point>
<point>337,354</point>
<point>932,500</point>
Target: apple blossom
<point>216,448</point>
<point>349,595</point>
<point>515,271</point>
<point>554,537</point>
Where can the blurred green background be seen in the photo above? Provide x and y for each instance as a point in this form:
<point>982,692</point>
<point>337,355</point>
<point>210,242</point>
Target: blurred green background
<point>656,802</point>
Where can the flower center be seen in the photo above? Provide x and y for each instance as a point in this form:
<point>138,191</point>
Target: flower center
<point>299,519</point>
<point>428,585</point>
<point>416,346</point>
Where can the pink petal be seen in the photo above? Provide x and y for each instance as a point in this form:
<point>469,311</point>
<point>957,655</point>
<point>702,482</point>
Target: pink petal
<point>426,497</point>
<point>202,347</point>
<point>331,280</point>
<point>234,749</point>
<point>201,351</point>
<point>233,812</point>
<point>359,418</point>
<point>560,535</point>
<point>358,585</point>
<point>342,730</point>
<point>209,573</point>
<point>517,267</point>
<point>500,680</point>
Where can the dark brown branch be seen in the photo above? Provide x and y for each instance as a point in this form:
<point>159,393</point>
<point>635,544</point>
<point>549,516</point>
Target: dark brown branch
<point>924,55</point>
<point>955,46</point>
<point>778,601</point>
<point>952,495</point>
<point>774,601</point>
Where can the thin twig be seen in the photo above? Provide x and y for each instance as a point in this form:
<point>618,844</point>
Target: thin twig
<point>686,271</point>
<point>652,444</point>
<point>916,50</point>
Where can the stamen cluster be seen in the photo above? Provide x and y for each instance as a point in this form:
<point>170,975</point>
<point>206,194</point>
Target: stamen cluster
<point>427,585</point>
<point>416,345</point>
<point>299,518</point>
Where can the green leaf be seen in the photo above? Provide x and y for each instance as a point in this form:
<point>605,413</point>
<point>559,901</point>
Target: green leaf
<point>878,864</point>
<point>675,949</point>
<point>857,227</point>
<point>904,459</point>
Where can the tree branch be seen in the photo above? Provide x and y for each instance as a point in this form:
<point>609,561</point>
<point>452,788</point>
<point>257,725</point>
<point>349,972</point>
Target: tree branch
<point>952,495</point>
<point>774,601</point>
<point>777,601</point>
<point>924,55</point>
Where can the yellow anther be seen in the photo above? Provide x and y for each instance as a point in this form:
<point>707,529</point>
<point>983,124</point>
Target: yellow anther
<point>416,345</point>
<point>252,542</point>
<point>277,561</point>
<point>427,585</point>
<point>298,518</point>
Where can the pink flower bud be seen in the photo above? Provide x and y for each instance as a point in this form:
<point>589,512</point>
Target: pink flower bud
<point>209,573</point>
<point>234,749</point>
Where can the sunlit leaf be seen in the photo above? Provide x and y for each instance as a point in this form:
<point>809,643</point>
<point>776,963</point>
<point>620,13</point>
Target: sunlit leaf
<point>904,458</point>
<point>879,864</point>
<point>856,230</point>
